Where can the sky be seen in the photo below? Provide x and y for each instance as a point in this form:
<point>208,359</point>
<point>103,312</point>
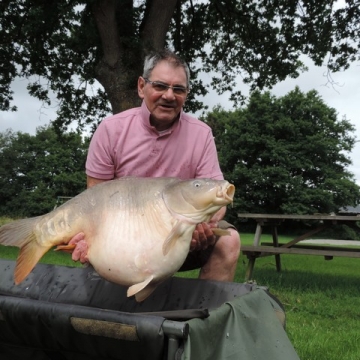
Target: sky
<point>344,97</point>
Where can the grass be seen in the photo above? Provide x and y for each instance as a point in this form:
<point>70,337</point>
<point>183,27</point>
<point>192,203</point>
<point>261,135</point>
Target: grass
<point>321,298</point>
<point>322,301</point>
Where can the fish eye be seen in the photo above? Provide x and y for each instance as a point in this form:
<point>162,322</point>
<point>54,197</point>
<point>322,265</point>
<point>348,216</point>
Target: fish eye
<point>197,184</point>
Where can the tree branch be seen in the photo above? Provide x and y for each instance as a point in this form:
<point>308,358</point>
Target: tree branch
<point>156,23</point>
<point>104,12</point>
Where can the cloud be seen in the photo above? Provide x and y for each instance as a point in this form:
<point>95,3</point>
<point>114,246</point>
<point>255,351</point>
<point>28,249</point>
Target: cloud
<point>31,113</point>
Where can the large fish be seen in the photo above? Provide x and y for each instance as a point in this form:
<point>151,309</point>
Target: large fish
<point>137,230</point>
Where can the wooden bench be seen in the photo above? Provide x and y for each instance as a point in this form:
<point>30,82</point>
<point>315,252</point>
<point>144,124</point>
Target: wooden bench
<point>293,247</point>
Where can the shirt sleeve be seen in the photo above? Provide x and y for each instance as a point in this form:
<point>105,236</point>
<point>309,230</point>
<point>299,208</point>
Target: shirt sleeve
<point>209,166</point>
<point>99,162</point>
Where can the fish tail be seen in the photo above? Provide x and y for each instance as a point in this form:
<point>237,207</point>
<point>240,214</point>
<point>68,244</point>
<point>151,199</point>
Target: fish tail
<point>20,233</point>
<point>17,232</point>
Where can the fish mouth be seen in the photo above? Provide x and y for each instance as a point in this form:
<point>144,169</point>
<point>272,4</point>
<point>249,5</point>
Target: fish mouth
<point>226,192</point>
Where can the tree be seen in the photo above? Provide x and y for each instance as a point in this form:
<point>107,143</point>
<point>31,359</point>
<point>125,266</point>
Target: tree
<point>66,46</point>
<point>35,170</point>
<point>286,155</point>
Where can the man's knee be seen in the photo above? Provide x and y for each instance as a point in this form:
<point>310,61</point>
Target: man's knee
<point>229,245</point>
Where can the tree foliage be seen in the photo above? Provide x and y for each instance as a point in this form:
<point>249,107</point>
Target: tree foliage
<point>67,46</point>
<point>35,170</point>
<point>286,155</point>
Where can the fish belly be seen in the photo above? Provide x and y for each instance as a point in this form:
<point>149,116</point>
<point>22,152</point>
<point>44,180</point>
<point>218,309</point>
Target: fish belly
<point>132,252</point>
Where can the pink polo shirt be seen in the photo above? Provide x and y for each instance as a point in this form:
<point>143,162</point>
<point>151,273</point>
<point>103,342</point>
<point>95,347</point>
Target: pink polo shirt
<point>126,144</point>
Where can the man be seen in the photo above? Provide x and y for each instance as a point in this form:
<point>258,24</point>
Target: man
<point>159,139</point>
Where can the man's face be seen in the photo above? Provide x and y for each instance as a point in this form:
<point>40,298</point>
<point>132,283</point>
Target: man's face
<point>164,105</point>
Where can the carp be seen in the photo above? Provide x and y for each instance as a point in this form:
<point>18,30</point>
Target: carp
<point>137,230</point>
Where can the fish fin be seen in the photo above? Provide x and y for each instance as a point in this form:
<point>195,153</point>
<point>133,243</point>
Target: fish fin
<point>144,293</point>
<point>20,233</point>
<point>17,233</point>
<point>220,232</point>
<point>139,288</point>
<point>170,241</point>
<point>28,257</point>
<point>67,248</point>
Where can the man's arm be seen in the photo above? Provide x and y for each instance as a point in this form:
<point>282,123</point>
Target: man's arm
<point>90,181</point>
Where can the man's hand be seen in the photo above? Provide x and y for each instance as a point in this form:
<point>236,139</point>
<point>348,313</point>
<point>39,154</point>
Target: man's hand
<point>203,237</point>
<point>77,246</point>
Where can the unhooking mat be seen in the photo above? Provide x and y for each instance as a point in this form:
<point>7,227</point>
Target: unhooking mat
<point>64,313</point>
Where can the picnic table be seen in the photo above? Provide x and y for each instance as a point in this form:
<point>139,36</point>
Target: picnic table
<point>274,248</point>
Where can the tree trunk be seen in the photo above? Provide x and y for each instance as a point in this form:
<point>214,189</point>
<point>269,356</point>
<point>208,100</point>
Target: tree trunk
<point>121,64</point>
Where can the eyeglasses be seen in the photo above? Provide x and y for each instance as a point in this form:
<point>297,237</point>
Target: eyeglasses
<point>162,88</point>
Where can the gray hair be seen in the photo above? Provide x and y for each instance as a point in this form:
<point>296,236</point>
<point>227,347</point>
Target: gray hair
<point>153,59</point>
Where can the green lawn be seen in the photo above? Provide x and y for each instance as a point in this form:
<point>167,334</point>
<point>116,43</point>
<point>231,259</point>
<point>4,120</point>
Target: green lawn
<point>321,298</point>
<point>322,301</point>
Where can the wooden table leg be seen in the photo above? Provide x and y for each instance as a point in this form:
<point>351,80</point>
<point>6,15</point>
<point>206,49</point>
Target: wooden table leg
<point>251,263</point>
<point>276,244</point>
<point>250,269</point>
